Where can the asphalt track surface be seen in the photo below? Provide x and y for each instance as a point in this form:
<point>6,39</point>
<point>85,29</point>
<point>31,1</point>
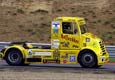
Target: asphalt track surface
<point>108,68</point>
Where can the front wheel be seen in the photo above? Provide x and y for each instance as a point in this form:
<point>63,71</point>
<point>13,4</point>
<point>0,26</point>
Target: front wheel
<point>87,59</point>
<point>14,57</point>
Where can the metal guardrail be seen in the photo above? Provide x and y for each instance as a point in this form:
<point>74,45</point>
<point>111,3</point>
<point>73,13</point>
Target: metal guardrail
<point>110,49</point>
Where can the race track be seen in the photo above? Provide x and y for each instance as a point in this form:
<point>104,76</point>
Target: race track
<point>106,67</point>
<point>55,72</point>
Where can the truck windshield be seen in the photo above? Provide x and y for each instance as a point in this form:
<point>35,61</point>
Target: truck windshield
<point>83,29</point>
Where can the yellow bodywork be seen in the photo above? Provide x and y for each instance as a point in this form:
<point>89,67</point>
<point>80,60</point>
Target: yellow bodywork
<point>65,48</point>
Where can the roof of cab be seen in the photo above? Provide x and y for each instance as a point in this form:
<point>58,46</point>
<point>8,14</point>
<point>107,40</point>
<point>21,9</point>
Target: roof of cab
<point>69,18</point>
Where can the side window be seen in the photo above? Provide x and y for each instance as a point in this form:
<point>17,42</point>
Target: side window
<point>69,28</point>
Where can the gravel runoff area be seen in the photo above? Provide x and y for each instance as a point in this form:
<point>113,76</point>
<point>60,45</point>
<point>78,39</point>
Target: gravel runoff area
<point>54,73</point>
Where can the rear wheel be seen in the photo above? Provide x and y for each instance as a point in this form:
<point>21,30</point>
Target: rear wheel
<point>87,59</point>
<point>14,57</point>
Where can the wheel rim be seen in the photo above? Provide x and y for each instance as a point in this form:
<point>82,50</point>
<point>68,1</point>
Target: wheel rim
<point>13,57</point>
<point>87,58</point>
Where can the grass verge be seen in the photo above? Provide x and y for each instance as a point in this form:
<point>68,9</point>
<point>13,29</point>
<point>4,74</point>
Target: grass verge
<point>112,60</point>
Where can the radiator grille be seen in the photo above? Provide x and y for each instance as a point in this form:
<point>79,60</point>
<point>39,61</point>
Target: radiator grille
<point>102,48</point>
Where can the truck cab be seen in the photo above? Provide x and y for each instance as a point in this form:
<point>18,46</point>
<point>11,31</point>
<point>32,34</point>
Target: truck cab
<point>71,43</point>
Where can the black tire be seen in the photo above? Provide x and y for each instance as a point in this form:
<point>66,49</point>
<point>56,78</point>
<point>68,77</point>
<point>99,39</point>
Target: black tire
<point>14,57</point>
<point>87,59</point>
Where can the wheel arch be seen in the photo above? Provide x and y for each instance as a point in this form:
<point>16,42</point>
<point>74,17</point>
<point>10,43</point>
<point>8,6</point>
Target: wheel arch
<point>14,48</point>
<point>86,50</point>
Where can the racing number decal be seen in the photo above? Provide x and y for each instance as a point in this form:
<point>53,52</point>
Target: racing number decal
<point>72,58</point>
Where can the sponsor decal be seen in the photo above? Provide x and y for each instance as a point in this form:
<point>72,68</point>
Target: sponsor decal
<point>94,44</point>
<point>65,56</point>
<point>65,44</point>
<point>42,53</point>
<point>55,31</point>
<point>30,52</point>
<point>56,25</point>
<point>75,46</point>
<point>72,58</point>
<point>66,37</point>
<point>56,54</point>
<point>55,43</point>
<point>51,61</point>
<point>64,61</point>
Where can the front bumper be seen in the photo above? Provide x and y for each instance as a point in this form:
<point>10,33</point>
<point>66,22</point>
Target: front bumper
<point>102,60</point>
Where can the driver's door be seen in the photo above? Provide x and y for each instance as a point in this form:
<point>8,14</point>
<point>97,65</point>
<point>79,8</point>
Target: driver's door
<point>70,36</point>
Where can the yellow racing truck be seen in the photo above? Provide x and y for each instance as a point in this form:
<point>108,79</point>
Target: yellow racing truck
<point>71,43</point>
